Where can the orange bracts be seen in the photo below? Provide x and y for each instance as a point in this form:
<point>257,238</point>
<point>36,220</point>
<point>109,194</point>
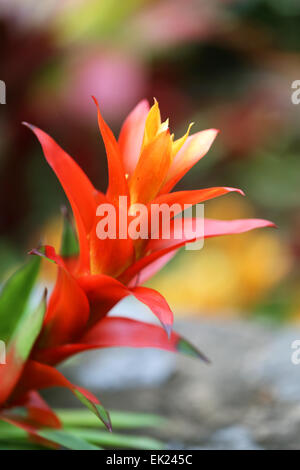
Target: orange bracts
<point>144,165</point>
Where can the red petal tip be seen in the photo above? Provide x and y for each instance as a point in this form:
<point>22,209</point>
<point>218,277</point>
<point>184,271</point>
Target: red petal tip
<point>30,126</point>
<point>168,330</point>
<point>206,360</point>
<point>240,191</point>
<point>109,427</point>
<point>267,223</point>
<point>144,101</point>
<point>235,190</point>
<point>34,251</point>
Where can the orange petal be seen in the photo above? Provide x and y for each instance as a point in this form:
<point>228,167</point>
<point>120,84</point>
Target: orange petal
<point>192,151</point>
<point>151,169</point>
<point>104,292</point>
<point>68,309</point>
<point>145,274</point>
<point>111,255</point>
<point>153,123</point>
<point>157,304</point>
<point>40,376</point>
<point>117,332</point>
<point>131,136</point>
<point>212,228</point>
<point>117,185</point>
<point>78,188</point>
<point>38,412</point>
<point>177,144</point>
<point>185,199</point>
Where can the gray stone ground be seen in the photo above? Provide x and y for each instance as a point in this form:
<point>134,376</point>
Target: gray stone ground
<point>248,398</point>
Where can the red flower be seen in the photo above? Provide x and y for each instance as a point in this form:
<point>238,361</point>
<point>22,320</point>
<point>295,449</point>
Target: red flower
<point>144,165</point>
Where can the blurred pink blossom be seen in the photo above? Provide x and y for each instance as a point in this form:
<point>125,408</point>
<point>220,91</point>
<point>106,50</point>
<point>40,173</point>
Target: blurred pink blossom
<point>170,22</point>
<point>117,80</point>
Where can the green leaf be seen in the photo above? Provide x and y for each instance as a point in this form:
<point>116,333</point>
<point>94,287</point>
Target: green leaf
<point>118,441</point>
<point>119,419</point>
<point>10,432</point>
<point>6,445</point>
<point>14,297</point>
<point>79,438</point>
<point>185,347</point>
<point>28,330</point>
<point>12,437</point>
<point>69,242</point>
<point>66,439</point>
<point>96,408</point>
<point>19,348</point>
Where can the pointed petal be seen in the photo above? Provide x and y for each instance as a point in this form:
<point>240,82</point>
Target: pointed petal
<point>172,204</point>
<point>67,312</point>
<point>19,347</point>
<point>212,228</point>
<point>117,332</point>
<point>68,309</point>
<point>37,376</point>
<point>177,144</point>
<point>151,169</point>
<point>131,136</point>
<point>195,147</point>
<point>117,181</point>
<point>49,253</point>
<point>153,123</point>
<point>189,198</point>
<point>157,304</point>
<point>104,292</point>
<point>150,270</point>
<point>35,411</point>
<point>78,188</point>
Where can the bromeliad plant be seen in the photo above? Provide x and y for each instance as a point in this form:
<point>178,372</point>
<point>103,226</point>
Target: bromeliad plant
<point>94,274</point>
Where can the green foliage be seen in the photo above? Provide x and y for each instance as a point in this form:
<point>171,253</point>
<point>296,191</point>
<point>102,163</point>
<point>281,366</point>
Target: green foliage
<point>120,419</point>
<point>14,297</point>
<point>81,432</point>
<point>69,243</point>
<point>97,409</point>
<point>27,331</point>
<point>66,439</point>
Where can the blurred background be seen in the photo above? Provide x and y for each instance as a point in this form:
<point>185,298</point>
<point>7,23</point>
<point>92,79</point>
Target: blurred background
<point>227,64</point>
